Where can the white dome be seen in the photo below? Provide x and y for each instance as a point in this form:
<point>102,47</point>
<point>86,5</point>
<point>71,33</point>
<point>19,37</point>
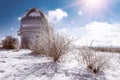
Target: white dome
<point>34,19</point>
<point>34,12</point>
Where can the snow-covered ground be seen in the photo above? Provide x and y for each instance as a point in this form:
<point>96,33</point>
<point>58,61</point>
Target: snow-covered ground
<point>22,65</point>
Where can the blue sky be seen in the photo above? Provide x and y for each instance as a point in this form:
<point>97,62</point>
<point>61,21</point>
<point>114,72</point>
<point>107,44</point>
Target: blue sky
<point>75,14</point>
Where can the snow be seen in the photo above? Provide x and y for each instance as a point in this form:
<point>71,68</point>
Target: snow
<point>22,65</point>
<point>35,14</point>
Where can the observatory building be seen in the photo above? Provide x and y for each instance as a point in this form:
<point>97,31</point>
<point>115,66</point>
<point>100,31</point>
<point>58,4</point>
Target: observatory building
<point>31,26</point>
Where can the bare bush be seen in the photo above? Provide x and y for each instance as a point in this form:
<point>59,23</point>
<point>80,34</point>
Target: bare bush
<point>52,44</point>
<point>59,45</point>
<point>95,62</point>
<point>9,42</point>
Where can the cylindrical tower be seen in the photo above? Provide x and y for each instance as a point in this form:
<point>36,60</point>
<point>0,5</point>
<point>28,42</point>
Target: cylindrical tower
<point>31,26</point>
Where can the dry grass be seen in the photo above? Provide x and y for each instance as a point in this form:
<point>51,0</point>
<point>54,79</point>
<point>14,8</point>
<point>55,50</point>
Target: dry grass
<point>106,49</point>
<point>95,62</point>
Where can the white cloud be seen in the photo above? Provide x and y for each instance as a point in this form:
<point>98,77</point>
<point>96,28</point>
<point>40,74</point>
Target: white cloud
<point>19,18</point>
<point>80,13</point>
<point>103,34</point>
<point>57,15</point>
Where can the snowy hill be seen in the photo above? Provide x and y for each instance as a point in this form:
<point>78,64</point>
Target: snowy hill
<point>22,65</point>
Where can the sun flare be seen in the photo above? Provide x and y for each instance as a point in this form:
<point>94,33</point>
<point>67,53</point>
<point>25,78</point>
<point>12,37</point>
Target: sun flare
<point>95,4</point>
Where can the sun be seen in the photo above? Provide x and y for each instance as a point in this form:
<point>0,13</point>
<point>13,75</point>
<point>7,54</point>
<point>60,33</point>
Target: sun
<point>89,3</point>
<point>95,4</point>
<point>92,6</point>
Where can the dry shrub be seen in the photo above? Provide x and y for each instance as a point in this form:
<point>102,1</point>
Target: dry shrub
<point>94,61</point>
<point>59,45</point>
<point>9,42</point>
<point>52,44</point>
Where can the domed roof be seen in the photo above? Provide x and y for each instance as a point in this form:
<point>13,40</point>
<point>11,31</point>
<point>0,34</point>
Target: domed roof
<point>34,12</point>
<point>34,21</point>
